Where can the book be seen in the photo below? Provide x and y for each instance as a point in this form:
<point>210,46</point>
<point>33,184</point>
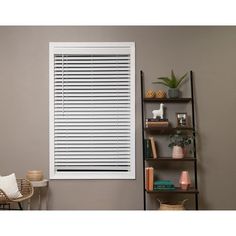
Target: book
<point>150,122</point>
<point>155,119</point>
<point>163,185</point>
<point>156,124</point>
<point>153,145</point>
<point>146,179</point>
<point>147,148</point>
<point>164,188</point>
<point>149,178</point>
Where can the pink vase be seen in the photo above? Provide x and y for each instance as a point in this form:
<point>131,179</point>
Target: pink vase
<point>177,152</point>
<point>184,180</point>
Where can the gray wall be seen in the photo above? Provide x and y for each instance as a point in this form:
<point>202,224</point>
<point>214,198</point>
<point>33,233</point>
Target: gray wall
<point>209,51</point>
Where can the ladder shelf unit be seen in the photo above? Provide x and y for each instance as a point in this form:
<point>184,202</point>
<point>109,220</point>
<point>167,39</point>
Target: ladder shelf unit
<point>162,131</point>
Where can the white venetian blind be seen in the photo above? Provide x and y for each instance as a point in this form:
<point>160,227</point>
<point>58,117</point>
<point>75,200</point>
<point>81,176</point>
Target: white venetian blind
<point>93,111</point>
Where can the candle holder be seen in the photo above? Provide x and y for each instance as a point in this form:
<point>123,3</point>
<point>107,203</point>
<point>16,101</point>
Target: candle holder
<point>184,180</point>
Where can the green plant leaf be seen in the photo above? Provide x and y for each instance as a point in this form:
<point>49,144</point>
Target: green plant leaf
<point>161,83</point>
<point>165,81</point>
<point>164,78</point>
<point>169,82</point>
<point>181,80</point>
<point>174,79</point>
<point>181,139</point>
<point>172,82</point>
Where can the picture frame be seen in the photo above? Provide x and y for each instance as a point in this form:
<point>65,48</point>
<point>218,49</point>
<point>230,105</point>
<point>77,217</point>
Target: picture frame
<point>181,118</point>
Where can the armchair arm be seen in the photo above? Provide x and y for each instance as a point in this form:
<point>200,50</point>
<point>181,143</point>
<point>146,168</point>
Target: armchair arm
<point>3,197</point>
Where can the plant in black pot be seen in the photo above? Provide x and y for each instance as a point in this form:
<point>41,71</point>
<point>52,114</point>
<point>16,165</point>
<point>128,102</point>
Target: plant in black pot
<point>179,143</point>
<point>173,83</point>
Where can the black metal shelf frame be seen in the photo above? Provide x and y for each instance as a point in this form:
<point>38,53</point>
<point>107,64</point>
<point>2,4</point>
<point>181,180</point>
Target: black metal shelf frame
<point>194,159</point>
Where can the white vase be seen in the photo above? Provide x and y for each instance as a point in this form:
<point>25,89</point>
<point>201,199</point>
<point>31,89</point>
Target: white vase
<point>177,152</point>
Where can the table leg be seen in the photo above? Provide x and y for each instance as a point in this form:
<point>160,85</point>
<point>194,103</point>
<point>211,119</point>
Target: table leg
<point>28,204</point>
<point>47,198</point>
<point>39,198</point>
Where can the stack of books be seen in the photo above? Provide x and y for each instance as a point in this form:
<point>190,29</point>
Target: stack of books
<point>163,185</point>
<point>155,123</point>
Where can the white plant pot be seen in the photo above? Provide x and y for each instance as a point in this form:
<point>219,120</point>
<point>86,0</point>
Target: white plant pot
<point>177,152</point>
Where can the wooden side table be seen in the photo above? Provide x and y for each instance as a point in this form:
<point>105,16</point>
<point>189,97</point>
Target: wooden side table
<point>38,185</point>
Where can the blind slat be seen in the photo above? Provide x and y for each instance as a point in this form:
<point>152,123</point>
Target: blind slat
<point>92,168</point>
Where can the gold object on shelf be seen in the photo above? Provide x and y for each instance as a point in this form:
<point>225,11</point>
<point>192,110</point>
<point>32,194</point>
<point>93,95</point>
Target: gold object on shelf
<point>160,94</point>
<point>150,93</point>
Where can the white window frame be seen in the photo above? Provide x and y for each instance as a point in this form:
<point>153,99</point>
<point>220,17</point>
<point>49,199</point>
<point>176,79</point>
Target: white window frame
<point>65,47</point>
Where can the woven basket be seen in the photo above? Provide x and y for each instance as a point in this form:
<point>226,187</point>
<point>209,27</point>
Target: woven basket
<point>172,206</point>
<point>34,175</point>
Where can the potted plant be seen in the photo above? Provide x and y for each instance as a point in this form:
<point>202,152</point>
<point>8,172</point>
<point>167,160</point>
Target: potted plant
<point>173,83</point>
<point>179,142</point>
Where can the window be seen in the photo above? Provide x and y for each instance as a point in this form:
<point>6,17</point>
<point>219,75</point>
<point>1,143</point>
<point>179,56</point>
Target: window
<point>92,110</point>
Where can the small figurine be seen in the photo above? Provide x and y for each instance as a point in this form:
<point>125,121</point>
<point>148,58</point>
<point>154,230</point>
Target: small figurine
<point>159,112</point>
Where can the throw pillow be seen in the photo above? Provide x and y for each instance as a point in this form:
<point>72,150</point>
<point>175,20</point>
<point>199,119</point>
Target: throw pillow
<point>9,185</point>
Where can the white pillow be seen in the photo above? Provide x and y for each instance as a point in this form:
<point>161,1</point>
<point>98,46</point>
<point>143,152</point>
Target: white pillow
<point>9,185</point>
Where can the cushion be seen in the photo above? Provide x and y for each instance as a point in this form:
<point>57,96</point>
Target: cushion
<point>9,185</point>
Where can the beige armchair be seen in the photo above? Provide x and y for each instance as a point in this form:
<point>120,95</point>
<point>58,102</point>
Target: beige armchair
<point>26,189</point>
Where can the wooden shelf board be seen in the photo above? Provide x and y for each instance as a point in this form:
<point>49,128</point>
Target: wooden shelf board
<point>170,159</point>
<point>177,190</point>
<point>167,130</point>
<point>168,100</point>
